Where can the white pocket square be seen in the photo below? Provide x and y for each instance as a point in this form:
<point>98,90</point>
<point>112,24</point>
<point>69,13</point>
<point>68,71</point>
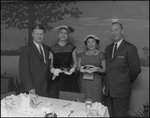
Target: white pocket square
<point>120,56</point>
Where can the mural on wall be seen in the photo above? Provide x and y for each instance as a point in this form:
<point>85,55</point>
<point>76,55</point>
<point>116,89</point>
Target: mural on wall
<point>22,15</point>
<point>86,17</point>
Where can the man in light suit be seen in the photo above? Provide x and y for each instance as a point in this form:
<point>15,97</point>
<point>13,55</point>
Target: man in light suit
<point>122,69</point>
<point>34,64</point>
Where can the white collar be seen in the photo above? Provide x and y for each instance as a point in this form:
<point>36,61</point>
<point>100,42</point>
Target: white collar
<point>37,44</point>
<point>119,42</point>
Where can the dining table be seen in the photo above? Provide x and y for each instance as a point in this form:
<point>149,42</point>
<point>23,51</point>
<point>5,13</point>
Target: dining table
<point>63,108</point>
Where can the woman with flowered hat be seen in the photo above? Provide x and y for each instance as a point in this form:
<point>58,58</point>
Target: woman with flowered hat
<point>63,63</point>
<point>91,64</point>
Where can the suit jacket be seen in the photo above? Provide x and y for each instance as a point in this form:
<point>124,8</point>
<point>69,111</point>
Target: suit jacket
<point>122,70</point>
<point>32,69</point>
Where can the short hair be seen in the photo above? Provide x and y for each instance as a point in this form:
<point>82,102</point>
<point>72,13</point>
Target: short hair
<point>38,26</point>
<point>118,24</point>
<point>97,41</point>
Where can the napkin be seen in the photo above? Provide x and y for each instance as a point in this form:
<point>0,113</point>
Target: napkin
<point>16,99</point>
<point>47,109</point>
<point>4,111</point>
<point>3,102</point>
<point>98,105</point>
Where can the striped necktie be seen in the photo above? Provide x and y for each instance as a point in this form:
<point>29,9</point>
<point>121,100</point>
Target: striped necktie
<point>115,50</point>
<point>41,52</point>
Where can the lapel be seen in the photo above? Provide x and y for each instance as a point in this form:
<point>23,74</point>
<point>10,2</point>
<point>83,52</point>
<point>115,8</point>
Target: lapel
<point>110,52</point>
<point>119,49</point>
<point>36,51</point>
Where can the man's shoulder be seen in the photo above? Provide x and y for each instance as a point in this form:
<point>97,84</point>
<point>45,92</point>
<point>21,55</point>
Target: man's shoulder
<point>26,47</point>
<point>129,44</point>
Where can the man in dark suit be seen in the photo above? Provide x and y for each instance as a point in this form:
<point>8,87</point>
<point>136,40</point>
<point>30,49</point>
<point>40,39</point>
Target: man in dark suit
<point>122,69</point>
<point>34,64</point>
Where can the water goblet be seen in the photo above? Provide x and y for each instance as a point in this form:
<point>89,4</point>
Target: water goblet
<point>33,100</point>
<point>88,104</point>
<point>8,102</point>
<point>94,111</point>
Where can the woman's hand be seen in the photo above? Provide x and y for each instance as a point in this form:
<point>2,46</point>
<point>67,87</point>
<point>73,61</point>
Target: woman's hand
<point>93,69</point>
<point>56,72</point>
<point>89,70</point>
<point>82,69</point>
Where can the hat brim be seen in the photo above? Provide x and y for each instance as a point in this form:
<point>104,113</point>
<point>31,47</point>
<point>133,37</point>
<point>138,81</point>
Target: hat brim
<point>92,36</point>
<point>68,28</point>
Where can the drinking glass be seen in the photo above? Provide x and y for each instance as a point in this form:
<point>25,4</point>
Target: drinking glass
<point>8,102</point>
<point>94,112</point>
<point>88,104</point>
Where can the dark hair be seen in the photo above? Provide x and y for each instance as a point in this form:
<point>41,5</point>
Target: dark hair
<point>38,26</point>
<point>118,24</point>
<point>97,41</point>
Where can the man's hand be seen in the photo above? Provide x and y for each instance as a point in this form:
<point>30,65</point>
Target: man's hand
<point>32,91</point>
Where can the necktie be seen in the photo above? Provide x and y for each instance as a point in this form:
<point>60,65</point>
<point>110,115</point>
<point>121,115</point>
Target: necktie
<point>115,49</point>
<point>41,52</point>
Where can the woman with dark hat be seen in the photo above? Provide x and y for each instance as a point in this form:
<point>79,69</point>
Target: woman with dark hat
<point>63,64</point>
<point>91,64</point>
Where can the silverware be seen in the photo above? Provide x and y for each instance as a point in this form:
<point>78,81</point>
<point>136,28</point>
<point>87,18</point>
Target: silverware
<point>67,105</point>
<point>71,112</point>
<point>34,104</point>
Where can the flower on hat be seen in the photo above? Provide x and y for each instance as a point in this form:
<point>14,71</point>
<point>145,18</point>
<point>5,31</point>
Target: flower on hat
<point>69,28</point>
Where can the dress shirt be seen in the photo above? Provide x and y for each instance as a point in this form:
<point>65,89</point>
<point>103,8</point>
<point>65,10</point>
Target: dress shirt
<point>38,47</point>
<point>118,44</point>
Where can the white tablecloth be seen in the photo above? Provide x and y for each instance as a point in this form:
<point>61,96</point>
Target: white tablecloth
<point>78,107</point>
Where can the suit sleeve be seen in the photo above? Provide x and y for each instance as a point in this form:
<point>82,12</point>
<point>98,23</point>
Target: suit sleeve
<point>104,75</point>
<point>24,70</point>
<point>134,63</point>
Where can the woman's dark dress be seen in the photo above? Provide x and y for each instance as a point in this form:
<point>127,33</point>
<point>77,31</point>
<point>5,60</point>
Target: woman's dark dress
<point>62,58</point>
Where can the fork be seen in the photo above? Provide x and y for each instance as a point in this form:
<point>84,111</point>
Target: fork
<point>71,112</point>
<point>67,105</point>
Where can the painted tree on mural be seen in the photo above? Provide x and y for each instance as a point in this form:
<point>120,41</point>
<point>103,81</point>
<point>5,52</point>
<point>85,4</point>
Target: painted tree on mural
<point>24,14</point>
<point>146,51</point>
<point>145,59</point>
